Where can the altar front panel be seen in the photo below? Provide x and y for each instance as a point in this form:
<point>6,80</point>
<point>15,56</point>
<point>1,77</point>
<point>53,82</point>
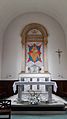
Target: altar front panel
<point>36,77</point>
<point>49,85</point>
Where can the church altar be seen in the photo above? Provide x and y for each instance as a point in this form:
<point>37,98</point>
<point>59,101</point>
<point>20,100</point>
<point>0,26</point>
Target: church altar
<point>47,83</point>
<point>34,75</point>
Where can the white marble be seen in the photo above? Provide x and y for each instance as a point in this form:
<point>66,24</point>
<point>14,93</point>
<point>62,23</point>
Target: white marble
<point>56,100</point>
<point>8,79</point>
<point>59,79</point>
<point>34,75</point>
<point>49,85</point>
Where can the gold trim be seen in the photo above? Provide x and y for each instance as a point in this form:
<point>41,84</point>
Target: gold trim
<point>25,37</point>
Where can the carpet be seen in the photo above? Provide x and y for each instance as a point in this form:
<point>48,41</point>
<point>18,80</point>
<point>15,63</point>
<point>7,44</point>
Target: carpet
<point>64,116</point>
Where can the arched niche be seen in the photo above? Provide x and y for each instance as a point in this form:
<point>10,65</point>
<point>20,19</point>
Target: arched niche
<point>34,33</point>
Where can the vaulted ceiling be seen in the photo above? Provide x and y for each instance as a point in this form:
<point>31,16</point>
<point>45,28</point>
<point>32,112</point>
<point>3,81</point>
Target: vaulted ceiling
<point>9,9</point>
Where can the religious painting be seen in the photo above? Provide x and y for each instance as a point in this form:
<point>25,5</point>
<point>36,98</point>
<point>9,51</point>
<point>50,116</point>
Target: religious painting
<point>34,54</point>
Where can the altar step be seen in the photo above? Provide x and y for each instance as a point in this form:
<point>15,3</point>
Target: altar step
<point>39,108</point>
<point>58,106</point>
<point>37,112</point>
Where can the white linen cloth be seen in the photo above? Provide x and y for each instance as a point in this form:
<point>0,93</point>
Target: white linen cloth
<point>14,87</point>
<point>54,87</point>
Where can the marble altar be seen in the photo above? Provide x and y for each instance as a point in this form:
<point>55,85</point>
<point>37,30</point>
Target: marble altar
<point>47,83</point>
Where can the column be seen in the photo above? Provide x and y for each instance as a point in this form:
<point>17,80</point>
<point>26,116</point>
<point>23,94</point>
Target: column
<point>19,93</point>
<point>49,93</point>
<point>45,56</point>
<point>23,55</point>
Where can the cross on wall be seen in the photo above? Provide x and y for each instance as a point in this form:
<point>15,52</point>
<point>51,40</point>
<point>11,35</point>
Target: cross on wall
<point>59,54</point>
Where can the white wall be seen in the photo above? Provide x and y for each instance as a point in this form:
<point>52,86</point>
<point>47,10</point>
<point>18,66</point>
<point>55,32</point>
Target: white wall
<point>12,51</point>
<point>1,42</point>
<point>0,58</point>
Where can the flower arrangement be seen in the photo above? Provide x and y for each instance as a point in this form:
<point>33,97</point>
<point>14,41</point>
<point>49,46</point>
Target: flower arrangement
<point>34,97</point>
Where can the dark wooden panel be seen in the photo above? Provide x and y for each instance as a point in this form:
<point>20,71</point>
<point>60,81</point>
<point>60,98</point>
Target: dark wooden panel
<point>62,88</point>
<point>6,88</point>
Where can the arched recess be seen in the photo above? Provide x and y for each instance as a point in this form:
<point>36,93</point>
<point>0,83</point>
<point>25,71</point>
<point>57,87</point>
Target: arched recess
<point>35,33</point>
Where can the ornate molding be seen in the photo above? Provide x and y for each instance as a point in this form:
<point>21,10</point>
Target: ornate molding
<point>34,32</point>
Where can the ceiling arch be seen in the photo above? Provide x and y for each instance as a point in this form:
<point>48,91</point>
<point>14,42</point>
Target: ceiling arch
<point>11,9</point>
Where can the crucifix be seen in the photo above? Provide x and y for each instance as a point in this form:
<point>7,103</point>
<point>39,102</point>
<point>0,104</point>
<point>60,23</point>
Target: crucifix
<point>59,54</point>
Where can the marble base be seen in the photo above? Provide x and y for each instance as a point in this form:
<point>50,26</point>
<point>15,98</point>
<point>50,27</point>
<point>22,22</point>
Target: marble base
<point>56,100</point>
<point>57,106</point>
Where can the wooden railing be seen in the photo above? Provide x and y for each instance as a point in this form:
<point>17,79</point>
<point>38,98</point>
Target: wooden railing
<point>5,109</point>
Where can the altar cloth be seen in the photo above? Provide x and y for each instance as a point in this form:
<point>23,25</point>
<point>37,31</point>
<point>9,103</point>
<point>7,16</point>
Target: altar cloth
<point>35,83</point>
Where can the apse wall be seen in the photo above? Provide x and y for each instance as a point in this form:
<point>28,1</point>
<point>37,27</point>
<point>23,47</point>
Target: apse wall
<point>12,49</point>
<point>1,35</point>
<point>0,56</point>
